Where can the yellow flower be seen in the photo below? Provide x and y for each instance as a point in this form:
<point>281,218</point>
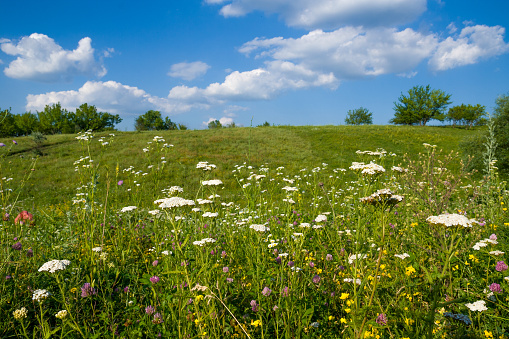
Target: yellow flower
<point>73,290</point>
<point>347,310</point>
<point>488,334</point>
<point>409,322</point>
<point>343,320</point>
<point>198,298</point>
<point>331,317</point>
<point>410,270</point>
<point>344,296</point>
<point>256,323</point>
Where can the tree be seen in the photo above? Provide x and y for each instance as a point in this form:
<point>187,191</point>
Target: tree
<point>27,123</point>
<point>420,106</point>
<point>501,117</point>
<point>53,119</point>
<point>7,124</point>
<point>359,116</point>
<point>87,117</point>
<point>152,120</point>
<point>215,124</point>
<point>467,115</point>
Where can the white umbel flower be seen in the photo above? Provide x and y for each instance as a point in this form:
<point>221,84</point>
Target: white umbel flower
<point>479,305</point>
<point>54,266</point>
<point>449,220</point>
<point>61,314</point>
<point>213,182</point>
<point>40,295</point>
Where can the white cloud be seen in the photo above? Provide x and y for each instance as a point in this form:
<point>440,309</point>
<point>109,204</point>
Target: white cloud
<point>473,44</point>
<point>41,59</point>
<point>188,70</point>
<point>350,52</point>
<point>109,96</point>
<point>329,14</point>
<point>224,121</point>
<point>258,84</point>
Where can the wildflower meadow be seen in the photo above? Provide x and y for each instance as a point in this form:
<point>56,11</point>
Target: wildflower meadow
<point>390,245</point>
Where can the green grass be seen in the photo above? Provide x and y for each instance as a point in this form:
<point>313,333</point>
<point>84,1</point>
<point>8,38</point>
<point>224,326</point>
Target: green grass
<point>284,248</point>
<point>54,179</point>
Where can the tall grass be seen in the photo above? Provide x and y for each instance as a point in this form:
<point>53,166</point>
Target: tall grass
<point>318,247</point>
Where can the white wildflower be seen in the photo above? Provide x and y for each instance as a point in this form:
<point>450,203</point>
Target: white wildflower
<point>479,305</point>
<point>54,266</point>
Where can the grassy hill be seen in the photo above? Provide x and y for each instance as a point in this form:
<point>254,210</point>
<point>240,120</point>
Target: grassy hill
<point>54,179</point>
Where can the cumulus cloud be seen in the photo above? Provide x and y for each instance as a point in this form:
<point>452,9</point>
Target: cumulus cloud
<point>109,96</point>
<point>40,58</point>
<point>350,52</point>
<point>224,121</point>
<point>328,14</point>
<point>188,70</point>
<point>473,44</point>
<point>258,84</point>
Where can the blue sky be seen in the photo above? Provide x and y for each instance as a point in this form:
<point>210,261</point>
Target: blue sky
<point>297,62</point>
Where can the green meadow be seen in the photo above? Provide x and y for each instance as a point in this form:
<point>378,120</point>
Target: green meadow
<point>267,232</point>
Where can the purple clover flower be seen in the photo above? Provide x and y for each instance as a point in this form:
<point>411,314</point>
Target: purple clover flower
<point>87,290</point>
<point>501,266</point>
<point>226,269</point>
<point>284,292</point>
<point>254,306</point>
<point>381,319</point>
<point>495,288</point>
<point>158,318</point>
<point>120,182</point>
<point>17,246</point>
<point>155,263</point>
<point>230,280</point>
<point>328,257</point>
<point>154,280</point>
<point>266,291</point>
<point>316,279</point>
<point>150,310</point>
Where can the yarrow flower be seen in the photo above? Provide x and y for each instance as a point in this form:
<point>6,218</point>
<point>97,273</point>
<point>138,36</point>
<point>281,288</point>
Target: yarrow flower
<point>205,166</point>
<point>479,306</point>
<point>128,209</point>
<point>213,182</point>
<point>20,314</point>
<point>54,266</point>
<point>174,202</point>
<point>61,314</point>
<point>402,256</point>
<point>321,218</point>
<point>449,220</point>
<point>382,197</point>
<point>204,242</point>
<point>40,295</point>
<point>259,228</point>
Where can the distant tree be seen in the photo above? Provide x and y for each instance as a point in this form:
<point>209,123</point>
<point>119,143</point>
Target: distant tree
<point>8,124</point>
<point>359,116</point>
<point>215,124</point>
<point>231,125</point>
<point>420,106</point>
<point>467,115</point>
<point>265,124</point>
<point>182,127</point>
<point>87,117</point>
<point>27,123</point>
<point>152,120</point>
<point>53,119</point>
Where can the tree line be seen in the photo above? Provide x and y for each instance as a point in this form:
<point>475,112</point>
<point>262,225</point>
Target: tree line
<point>56,120</point>
<point>421,105</point>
